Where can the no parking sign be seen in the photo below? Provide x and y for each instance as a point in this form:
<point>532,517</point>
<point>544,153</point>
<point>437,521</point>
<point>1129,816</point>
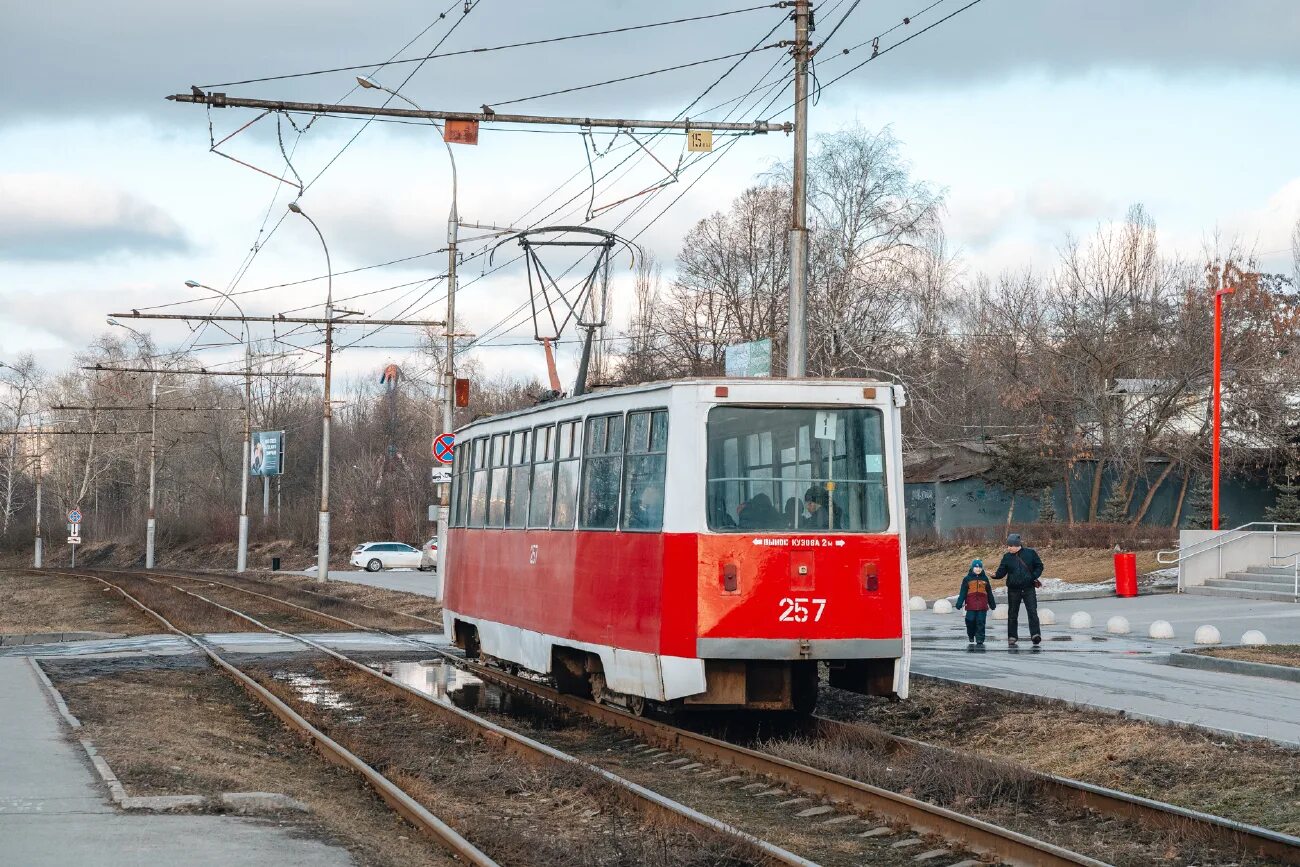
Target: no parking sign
<point>444,447</point>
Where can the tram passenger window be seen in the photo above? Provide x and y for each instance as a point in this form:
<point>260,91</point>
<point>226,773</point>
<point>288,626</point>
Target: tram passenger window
<point>568,452</point>
<point>478,483</point>
<point>517,496</point>
<point>602,472</point>
<point>646,462</point>
<point>496,516</point>
<point>800,469</point>
<point>539,510</point>
<point>459,489</point>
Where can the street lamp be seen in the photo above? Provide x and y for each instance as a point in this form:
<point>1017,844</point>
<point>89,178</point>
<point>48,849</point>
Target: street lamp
<point>1225,289</point>
<point>241,558</point>
<point>323,531</point>
<point>449,374</point>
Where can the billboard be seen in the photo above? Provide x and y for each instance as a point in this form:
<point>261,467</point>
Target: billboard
<point>749,359</point>
<point>267,453</point>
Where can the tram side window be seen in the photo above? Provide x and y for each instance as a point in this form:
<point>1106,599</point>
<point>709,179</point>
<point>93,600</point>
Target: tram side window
<point>799,468</point>
<point>478,483</point>
<point>646,462</point>
<point>539,509</point>
<point>602,471</point>
<point>517,497</point>
<point>497,488</point>
<point>460,491</point>
<point>568,451</point>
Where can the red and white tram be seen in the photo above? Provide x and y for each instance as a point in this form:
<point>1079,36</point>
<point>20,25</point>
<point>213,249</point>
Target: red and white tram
<point>704,543</point>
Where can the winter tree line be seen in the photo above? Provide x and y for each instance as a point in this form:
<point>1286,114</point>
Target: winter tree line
<point>1102,361</point>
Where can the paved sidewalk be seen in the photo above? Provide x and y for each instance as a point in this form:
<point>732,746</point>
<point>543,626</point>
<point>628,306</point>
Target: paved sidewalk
<point>1127,672</point>
<point>406,580</point>
<point>55,811</point>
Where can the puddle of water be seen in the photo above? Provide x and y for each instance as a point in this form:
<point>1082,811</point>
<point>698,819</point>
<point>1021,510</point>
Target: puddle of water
<point>446,683</point>
<point>314,690</point>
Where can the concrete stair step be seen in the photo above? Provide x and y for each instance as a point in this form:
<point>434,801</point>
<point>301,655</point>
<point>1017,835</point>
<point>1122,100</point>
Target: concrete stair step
<point>1231,581</point>
<point>1236,593</point>
<point>1261,578</point>
<point>1288,571</point>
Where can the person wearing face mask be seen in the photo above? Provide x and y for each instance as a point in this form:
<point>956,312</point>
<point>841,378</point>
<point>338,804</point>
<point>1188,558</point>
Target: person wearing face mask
<point>977,597</point>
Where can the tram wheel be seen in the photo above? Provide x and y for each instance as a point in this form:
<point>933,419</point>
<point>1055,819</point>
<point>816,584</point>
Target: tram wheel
<point>636,704</point>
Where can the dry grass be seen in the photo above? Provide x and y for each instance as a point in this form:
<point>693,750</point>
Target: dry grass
<point>1270,654</point>
<point>51,603</point>
<point>187,729</point>
<point>184,612</point>
<point>1253,782</point>
<point>380,610</point>
<point>939,573</point>
<point>362,594</point>
<point>1003,793</point>
<point>518,811</point>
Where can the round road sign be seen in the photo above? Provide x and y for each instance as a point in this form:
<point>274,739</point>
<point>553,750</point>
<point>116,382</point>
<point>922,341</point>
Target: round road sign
<point>74,517</point>
<point>443,447</point>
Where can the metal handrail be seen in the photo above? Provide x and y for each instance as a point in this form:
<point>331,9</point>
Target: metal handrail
<point>1219,540</point>
<point>1295,566</point>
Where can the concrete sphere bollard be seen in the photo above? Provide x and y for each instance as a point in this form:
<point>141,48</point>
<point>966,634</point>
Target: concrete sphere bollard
<point>1253,637</point>
<point>916,603</point>
<point>1161,629</point>
<point>1206,635</point>
<point>1080,620</point>
<point>1000,613</point>
<point>942,606</point>
<point>1047,617</point>
<point>1118,625</point>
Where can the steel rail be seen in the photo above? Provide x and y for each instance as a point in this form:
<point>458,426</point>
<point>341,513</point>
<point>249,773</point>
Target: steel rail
<point>1225,832</point>
<point>504,738</point>
<point>406,806</point>
<point>976,834</point>
<point>1111,802</point>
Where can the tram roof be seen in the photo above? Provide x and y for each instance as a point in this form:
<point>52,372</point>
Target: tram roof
<point>664,384</point>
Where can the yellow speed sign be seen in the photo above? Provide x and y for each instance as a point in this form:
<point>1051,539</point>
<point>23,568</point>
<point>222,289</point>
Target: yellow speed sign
<point>699,140</point>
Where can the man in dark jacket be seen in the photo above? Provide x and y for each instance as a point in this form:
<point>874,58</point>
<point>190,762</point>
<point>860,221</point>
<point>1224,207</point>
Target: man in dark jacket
<point>1022,567</point>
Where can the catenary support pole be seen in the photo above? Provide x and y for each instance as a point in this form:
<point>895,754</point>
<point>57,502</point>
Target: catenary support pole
<point>266,500</point>
<point>241,560</point>
<point>323,526</point>
<point>797,339</point>
<point>151,523</point>
<point>1216,398</point>
<point>39,559</point>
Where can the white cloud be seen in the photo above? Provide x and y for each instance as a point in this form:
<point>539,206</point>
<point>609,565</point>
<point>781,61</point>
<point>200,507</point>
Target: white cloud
<point>46,216</point>
<point>1053,201</point>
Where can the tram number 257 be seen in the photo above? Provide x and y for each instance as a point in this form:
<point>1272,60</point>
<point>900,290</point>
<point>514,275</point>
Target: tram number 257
<point>796,610</point>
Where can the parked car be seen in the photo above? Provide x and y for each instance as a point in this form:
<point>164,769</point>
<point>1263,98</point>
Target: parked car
<point>373,556</point>
<point>429,556</point>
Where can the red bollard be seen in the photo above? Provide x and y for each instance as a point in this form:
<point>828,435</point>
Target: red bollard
<point>1126,575</point>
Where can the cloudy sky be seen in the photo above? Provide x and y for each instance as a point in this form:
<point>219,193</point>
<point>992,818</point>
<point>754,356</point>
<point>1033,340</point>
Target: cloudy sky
<point>1038,117</point>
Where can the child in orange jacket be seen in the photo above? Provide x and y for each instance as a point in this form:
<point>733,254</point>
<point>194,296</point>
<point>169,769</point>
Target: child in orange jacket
<point>977,597</point>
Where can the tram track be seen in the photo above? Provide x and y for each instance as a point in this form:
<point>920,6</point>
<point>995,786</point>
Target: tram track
<point>979,836</point>
<point>649,802</point>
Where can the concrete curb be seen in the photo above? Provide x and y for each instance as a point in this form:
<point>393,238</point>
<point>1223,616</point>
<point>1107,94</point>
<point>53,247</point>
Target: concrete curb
<point>30,638</point>
<point>242,802</point>
<point>1193,659</point>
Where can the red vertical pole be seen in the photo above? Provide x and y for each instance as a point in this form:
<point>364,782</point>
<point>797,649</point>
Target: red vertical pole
<point>1218,374</point>
<point>1217,395</point>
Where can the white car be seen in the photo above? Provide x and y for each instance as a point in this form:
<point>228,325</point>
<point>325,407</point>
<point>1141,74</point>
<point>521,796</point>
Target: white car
<point>429,556</point>
<point>373,556</point>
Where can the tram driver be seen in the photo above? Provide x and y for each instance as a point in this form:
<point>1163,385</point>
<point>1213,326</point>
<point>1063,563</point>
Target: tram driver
<point>815,502</point>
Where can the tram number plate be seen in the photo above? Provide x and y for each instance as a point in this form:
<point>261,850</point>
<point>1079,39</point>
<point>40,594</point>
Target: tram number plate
<point>796,610</point>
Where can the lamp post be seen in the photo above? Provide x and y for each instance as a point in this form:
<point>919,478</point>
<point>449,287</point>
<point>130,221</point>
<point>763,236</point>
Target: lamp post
<point>1225,289</point>
<point>323,530</point>
<point>241,558</point>
<point>449,374</point>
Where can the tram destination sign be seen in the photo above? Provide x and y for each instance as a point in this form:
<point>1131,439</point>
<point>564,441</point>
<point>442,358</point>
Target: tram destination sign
<point>752,359</point>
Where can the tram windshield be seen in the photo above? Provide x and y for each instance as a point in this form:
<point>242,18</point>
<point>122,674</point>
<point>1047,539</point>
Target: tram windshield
<point>798,469</point>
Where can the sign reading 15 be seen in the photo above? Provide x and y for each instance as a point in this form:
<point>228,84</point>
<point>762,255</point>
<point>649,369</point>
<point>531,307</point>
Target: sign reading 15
<point>796,610</point>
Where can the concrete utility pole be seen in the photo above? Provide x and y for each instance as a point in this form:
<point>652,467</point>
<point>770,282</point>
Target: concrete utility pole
<point>323,528</point>
<point>443,492</point>
<point>797,339</point>
<point>151,521</point>
<point>241,557</point>
<point>40,544</point>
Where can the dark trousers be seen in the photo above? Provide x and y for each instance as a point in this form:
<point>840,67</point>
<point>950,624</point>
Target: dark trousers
<point>975,625</point>
<point>1029,598</point>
